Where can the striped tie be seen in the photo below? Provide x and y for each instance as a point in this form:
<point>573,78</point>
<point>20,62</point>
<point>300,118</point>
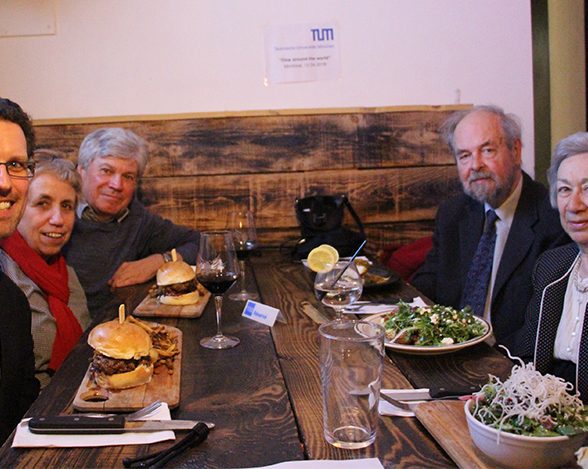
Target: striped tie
<point>476,287</point>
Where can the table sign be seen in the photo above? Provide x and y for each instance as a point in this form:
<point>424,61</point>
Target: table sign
<point>261,313</point>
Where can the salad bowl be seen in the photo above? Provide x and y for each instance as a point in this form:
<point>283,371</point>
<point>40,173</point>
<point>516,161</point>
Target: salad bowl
<point>522,451</point>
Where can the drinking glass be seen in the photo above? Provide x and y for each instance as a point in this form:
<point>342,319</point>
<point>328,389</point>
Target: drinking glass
<point>338,290</point>
<point>351,355</point>
<point>242,226</point>
<point>217,269</point>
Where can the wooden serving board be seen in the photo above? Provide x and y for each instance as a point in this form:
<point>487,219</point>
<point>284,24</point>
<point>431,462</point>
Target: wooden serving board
<point>446,421</point>
<point>163,386</point>
<point>150,307</point>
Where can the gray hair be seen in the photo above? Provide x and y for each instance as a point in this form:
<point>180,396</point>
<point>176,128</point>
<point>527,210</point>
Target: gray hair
<point>113,141</point>
<point>64,170</point>
<point>570,146</point>
<point>511,126</point>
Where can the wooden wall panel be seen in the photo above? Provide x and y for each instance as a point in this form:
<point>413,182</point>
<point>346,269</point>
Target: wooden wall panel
<point>390,162</point>
<point>378,196</point>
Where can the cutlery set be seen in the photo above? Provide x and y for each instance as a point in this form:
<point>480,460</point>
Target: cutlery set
<point>92,424</point>
<point>80,425</point>
<point>407,399</point>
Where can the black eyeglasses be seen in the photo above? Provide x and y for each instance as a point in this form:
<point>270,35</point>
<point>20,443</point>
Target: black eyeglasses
<point>20,169</point>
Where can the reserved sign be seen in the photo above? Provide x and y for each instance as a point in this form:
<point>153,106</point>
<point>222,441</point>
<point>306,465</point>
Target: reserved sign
<point>261,313</point>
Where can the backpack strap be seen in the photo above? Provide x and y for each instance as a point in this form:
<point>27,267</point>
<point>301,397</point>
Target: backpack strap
<point>353,213</point>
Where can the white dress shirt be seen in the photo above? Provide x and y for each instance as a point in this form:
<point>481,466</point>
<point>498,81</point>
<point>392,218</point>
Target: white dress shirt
<point>505,214</point>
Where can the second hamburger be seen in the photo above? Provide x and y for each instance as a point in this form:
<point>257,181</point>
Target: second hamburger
<point>176,284</point>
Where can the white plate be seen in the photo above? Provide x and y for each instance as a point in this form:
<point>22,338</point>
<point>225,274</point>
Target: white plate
<point>431,349</point>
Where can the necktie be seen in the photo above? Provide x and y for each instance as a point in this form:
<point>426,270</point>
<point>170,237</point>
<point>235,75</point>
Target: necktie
<point>476,287</point>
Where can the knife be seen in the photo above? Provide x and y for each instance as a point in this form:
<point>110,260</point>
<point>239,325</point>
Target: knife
<point>432,393</point>
<point>80,425</point>
<point>408,399</point>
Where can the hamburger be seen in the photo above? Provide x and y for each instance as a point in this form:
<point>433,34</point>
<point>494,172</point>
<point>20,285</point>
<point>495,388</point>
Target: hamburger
<point>122,355</point>
<point>176,284</point>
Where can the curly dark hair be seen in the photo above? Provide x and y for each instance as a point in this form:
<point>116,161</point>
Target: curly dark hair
<point>12,112</point>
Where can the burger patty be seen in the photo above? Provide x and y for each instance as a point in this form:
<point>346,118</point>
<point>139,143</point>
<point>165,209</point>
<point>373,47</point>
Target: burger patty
<point>111,366</point>
<point>176,289</point>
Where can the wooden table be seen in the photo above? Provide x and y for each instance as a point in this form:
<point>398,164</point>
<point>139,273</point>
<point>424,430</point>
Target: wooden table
<point>265,394</point>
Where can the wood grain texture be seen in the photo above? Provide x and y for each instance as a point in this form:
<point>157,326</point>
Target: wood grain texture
<point>446,421</point>
<point>400,442</point>
<point>241,390</point>
<point>469,366</point>
<point>151,307</point>
<point>390,162</point>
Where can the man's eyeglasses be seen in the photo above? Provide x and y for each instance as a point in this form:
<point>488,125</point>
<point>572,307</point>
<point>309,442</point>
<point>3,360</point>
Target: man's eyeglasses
<point>20,169</point>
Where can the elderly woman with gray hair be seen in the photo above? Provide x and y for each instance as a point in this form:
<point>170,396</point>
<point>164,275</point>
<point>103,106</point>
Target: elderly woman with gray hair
<point>555,334</point>
<point>32,258</point>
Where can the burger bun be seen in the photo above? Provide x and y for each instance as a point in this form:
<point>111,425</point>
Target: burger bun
<point>174,272</point>
<point>122,341</point>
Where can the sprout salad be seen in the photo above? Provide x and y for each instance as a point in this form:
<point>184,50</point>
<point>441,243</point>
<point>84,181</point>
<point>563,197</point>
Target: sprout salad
<point>432,325</point>
<point>532,404</point>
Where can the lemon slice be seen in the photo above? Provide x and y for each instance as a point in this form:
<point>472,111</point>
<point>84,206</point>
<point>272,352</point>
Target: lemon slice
<point>323,258</point>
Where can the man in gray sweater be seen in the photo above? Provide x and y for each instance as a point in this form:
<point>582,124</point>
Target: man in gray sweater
<point>116,241</point>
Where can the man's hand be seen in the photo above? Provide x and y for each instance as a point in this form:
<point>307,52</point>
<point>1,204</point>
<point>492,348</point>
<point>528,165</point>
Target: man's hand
<point>135,272</point>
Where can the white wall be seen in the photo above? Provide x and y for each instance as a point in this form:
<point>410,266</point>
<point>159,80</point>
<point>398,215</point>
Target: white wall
<point>135,57</point>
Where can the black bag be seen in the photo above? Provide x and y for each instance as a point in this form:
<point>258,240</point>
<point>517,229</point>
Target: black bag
<point>321,222</point>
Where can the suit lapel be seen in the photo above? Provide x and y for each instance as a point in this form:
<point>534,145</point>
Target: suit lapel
<point>550,315</point>
<point>520,238</point>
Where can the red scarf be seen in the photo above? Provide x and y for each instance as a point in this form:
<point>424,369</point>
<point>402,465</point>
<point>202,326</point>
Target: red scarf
<point>52,279</point>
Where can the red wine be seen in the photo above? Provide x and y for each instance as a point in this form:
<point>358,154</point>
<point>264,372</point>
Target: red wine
<point>217,284</point>
<point>243,254</point>
<point>243,249</point>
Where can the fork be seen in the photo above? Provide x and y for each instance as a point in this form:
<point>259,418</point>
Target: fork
<point>137,415</point>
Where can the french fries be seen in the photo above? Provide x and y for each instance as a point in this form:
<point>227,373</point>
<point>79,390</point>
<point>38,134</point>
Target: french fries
<point>163,345</point>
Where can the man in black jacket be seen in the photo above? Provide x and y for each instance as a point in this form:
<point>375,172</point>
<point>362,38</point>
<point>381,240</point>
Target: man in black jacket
<point>18,385</point>
<point>486,143</point>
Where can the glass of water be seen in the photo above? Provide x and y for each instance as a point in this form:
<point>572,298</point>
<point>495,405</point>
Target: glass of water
<point>339,287</point>
<point>350,356</point>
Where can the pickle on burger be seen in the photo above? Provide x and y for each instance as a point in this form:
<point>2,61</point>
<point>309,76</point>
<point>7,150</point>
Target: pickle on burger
<point>176,284</point>
<point>121,355</point>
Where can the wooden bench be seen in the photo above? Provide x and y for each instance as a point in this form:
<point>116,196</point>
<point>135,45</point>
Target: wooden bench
<point>390,162</point>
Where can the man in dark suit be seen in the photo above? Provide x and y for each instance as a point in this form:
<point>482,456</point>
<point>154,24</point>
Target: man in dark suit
<point>487,146</point>
<point>18,385</point>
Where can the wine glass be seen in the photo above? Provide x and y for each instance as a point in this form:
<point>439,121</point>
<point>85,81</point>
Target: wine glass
<point>337,288</point>
<point>217,269</point>
<point>242,226</point>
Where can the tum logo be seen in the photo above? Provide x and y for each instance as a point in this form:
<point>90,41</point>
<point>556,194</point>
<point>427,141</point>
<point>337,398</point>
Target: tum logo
<point>324,34</point>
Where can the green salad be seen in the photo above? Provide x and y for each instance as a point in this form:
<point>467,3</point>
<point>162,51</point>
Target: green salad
<point>431,325</point>
<point>530,403</point>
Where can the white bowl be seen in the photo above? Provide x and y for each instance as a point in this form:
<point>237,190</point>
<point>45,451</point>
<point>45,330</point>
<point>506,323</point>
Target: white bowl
<point>522,451</point>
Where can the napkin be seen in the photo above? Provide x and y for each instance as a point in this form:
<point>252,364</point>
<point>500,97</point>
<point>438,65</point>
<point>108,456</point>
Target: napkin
<point>24,438</point>
<point>363,463</point>
<point>582,457</point>
<point>372,308</point>
<point>385,408</point>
